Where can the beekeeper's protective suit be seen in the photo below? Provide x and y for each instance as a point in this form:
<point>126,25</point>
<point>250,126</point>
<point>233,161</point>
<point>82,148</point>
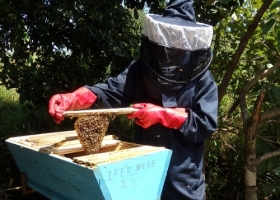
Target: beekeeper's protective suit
<point>174,91</point>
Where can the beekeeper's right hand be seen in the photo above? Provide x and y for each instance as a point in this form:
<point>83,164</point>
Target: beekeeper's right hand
<point>81,98</point>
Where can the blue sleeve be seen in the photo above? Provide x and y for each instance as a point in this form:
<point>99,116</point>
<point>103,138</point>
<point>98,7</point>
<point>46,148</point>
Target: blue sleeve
<point>202,119</point>
<point>116,91</point>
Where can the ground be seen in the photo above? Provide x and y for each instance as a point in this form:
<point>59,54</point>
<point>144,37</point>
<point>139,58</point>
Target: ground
<point>16,195</point>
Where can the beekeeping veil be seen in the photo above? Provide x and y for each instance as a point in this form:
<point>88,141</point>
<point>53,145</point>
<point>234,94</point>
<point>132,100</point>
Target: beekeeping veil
<point>175,49</point>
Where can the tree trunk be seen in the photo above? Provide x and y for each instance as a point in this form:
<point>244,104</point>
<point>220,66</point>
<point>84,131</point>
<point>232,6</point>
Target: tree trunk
<point>250,146</point>
<point>250,169</point>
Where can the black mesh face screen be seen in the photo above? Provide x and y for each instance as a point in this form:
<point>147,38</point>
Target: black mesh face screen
<point>175,65</point>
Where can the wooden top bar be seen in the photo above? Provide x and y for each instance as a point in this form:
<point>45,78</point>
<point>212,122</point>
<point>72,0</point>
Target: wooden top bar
<point>79,113</point>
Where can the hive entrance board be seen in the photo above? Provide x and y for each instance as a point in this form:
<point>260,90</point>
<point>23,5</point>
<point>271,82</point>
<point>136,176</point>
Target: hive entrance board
<point>92,125</point>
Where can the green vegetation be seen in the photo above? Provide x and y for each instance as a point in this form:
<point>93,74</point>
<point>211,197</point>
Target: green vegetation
<point>12,124</point>
<point>11,116</point>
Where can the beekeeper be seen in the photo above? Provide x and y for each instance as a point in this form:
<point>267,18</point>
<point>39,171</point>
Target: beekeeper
<point>174,91</point>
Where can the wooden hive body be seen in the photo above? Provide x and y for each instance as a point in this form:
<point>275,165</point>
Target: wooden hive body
<point>57,167</point>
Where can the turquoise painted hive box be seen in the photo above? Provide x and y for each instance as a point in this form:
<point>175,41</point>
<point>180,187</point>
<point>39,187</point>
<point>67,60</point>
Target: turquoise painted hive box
<point>56,166</point>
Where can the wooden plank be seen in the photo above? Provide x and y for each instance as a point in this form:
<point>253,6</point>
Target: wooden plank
<point>67,147</point>
<point>55,134</point>
<point>51,140</point>
<point>66,143</point>
<point>42,139</point>
<point>126,145</point>
<point>110,137</point>
<point>95,159</point>
<point>26,143</point>
<point>76,143</point>
<point>62,151</point>
<point>80,113</point>
<point>56,138</point>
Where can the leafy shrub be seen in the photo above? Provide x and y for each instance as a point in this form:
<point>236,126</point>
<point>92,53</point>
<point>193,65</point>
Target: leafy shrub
<point>224,166</point>
<point>12,124</point>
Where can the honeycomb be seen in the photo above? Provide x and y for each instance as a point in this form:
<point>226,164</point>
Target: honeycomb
<point>91,130</point>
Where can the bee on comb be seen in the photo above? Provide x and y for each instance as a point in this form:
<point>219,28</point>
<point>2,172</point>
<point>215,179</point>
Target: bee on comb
<point>91,130</point>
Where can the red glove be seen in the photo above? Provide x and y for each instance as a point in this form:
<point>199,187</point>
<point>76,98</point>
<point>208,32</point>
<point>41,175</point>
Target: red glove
<point>81,98</point>
<point>149,114</point>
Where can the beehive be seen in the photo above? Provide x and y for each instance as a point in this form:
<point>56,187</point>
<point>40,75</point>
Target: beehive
<point>57,166</point>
